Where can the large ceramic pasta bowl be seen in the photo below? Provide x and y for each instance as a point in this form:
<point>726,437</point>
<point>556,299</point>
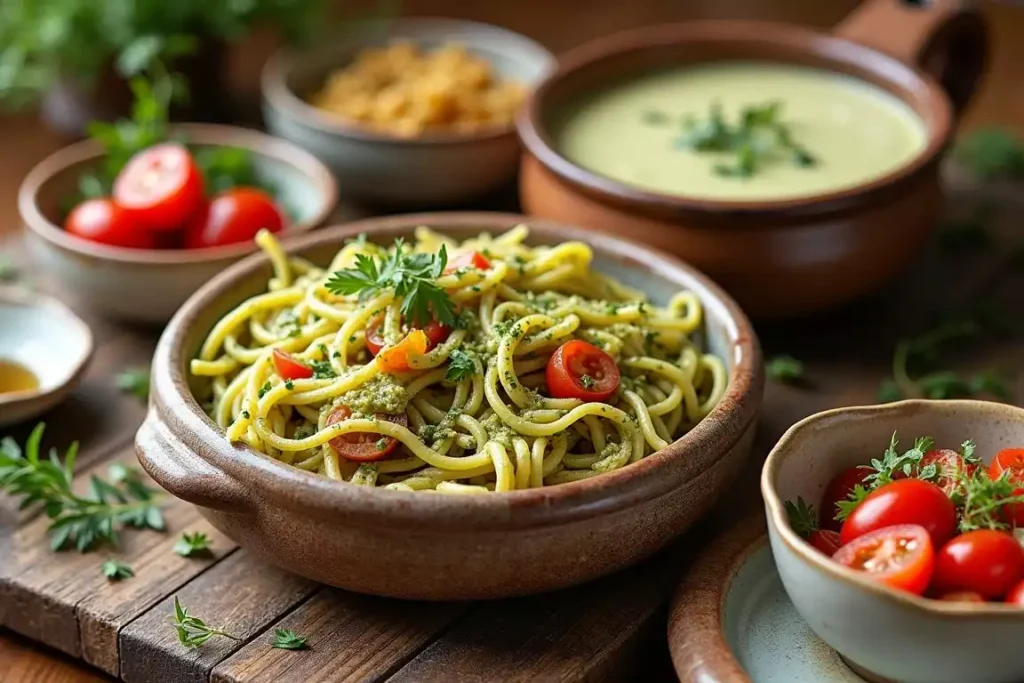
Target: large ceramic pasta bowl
<point>422,546</point>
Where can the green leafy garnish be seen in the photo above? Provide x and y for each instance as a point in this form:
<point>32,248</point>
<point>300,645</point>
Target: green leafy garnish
<point>193,545</point>
<point>193,631</point>
<point>267,386</point>
<point>286,639</point>
<point>908,463</point>
<point>115,571</point>
<point>785,369</point>
<point>802,517</point>
<point>134,382</point>
<point>322,369</point>
<point>81,521</point>
<point>412,276</point>
<point>461,365</point>
<point>845,507</point>
<point>983,499</point>
<point>992,154</point>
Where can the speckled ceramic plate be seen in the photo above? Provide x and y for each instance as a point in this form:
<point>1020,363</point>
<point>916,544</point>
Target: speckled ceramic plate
<point>732,622</point>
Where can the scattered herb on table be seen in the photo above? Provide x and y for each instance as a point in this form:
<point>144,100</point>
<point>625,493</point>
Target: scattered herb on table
<point>116,571</point>
<point>79,521</point>
<point>785,369</point>
<point>992,154</point>
<point>286,639</point>
<point>193,631</point>
<point>193,545</point>
<point>134,382</point>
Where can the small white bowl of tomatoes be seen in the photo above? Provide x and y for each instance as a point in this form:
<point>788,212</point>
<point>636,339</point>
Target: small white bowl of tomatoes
<point>897,530</point>
<point>133,235</point>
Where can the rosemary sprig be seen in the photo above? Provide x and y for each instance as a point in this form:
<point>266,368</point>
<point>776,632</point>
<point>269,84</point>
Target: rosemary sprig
<point>80,521</point>
<point>193,631</point>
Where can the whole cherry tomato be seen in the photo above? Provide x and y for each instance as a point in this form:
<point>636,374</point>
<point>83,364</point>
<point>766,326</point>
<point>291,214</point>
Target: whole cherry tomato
<point>1009,462</point>
<point>363,446</point>
<point>951,468</point>
<point>160,187</point>
<point>1016,595</point>
<point>905,501</point>
<point>101,220</point>
<point>839,489</point>
<point>233,216</point>
<point>986,562</point>
<point>898,556</point>
<point>289,367</point>
<point>580,370</point>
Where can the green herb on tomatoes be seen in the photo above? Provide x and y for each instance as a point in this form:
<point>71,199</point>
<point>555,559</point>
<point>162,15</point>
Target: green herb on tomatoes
<point>802,517</point>
<point>116,571</point>
<point>785,369</point>
<point>983,502</point>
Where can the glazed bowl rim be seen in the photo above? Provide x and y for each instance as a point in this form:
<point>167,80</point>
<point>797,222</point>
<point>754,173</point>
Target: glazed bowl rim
<point>273,84</point>
<point>202,134</point>
<point>833,49</point>
<point>651,477</point>
<point>822,565</point>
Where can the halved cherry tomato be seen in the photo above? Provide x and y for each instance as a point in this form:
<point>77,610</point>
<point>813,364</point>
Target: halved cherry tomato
<point>580,370</point>
<point>905,501</point>
<point>962,596</point>
<point>160,187</point>
<point>363,446</point>
<point>374,338</point>
<point>1010,461</point>
<point>101,220</point>
<point>395,358</point>
<point>233,216</point>
<point>985,561</point>
<point>898,556</point>
<point>1016,595</point>
<point>469,259</point>
<point>839,489</point>
<point>951,467</point>
<point>826,541</point>
<point>289,368</point>
<point>436,333</point>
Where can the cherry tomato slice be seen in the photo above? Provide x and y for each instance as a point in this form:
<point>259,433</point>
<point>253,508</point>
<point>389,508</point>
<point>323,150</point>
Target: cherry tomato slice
<point>363,446</point>
<point>288,367</point>
<point>160,187</point>
<point>986,562</point>
<point>436,333</point>
<point>374,337</point>
<point>898,556</point>
<point>962,596</point>
<point>905,501</point>
<point>1010,462</point>
<point>395,358</point>
<point>950,466</point>
<point>101,220</point>
<point>580,370</point>
<point>469,259</point>
<point>837,490</point>
<point>1016,595</point>
<point>233,216</point>
<point>826,541</point>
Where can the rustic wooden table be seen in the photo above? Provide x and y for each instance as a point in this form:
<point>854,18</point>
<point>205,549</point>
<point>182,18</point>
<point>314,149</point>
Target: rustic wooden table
<point>591,633</point>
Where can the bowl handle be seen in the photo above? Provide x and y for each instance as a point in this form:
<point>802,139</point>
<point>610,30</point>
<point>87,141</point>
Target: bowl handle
<point>176,467</point>
<point>945,38</point>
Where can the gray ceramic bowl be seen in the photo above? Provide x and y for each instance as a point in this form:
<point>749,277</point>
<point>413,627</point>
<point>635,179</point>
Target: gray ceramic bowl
<point>883,633</point>
<point>432,169</point>
<point>148,285</point>
<point>415,545</point>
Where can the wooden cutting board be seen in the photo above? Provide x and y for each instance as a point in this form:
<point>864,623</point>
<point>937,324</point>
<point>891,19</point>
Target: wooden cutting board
<point>612,629</point>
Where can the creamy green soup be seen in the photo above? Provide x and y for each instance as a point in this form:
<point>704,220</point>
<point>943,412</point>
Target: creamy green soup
<point>637,131</point>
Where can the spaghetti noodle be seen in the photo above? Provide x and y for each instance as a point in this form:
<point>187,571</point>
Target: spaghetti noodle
<point>492,395</point>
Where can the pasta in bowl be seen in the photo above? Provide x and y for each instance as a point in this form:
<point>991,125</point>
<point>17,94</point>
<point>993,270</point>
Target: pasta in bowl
<point>596,395</point>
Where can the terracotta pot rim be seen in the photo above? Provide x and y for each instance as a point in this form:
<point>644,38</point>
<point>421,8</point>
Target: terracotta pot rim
<point>833,51</point>
<point>273,82</point>
<point>311,494</point>
<point>204,134</point>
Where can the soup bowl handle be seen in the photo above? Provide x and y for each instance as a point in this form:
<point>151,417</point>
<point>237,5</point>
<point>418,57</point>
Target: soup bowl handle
<point>178,469</point>
<point>945,38</point>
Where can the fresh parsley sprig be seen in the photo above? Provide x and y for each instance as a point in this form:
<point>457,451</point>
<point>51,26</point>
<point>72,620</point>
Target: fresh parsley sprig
<point>461,365</point>
<point>81,521</point>
<point>192,631</point>
<point>193,545</point>
<point>287,639</point>
<point>412,277</point>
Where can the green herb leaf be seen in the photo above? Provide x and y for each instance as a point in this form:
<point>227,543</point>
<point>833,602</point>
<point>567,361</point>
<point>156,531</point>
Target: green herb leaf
<point>192,631</point>
<point>134,382</point>
<point>984,499</point>
<point>193,545</point>
<point>785,369</point>
<point>461,366</point>
<point>893,463</point>
<point>992,154</point>
<point>802,517</point>
<point>845,507</point>
<point>286,639</point>
<point>115,571</point>
<point>322,369</point>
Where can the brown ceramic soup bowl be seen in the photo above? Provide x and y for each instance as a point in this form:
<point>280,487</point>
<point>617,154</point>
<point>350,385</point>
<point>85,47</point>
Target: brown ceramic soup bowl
<point>422,546</point>
<point>785,257</point>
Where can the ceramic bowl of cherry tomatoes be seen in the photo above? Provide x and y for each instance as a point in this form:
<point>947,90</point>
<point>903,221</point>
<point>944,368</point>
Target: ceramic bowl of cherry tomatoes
<point>897,530</point>
<point>132,230</point>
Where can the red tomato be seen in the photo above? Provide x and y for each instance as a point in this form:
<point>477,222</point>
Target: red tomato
<point>986,562</point>
<point>470,259</point>
<point>581,370</point>
<point>289,368</point>
<point>825,541</point>
<point>363,446</point>
<point>906,501</point>
<point>101,220</point>
<point>233,216</point>
<point>395,358</point>
<point>839,489</point>
<point>1010,461</point>
<point>1016,595</point>
<point>898,556</point>
<point>160,187</point>
<point>374,338</point>
<point>950,465</point>
<point>962,596</point>
<point>436,333</point>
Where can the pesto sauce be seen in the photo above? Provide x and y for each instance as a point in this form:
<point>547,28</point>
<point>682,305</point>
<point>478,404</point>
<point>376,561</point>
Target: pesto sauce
<point>382,394</point>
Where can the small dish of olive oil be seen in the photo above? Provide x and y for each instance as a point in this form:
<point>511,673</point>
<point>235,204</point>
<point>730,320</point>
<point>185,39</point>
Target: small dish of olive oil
<point>16,378</point>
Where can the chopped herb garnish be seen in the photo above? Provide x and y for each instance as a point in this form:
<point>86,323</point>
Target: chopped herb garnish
<point>289,385</point>
<point>267,386</point>
<point>322,369</point>
<point>381,443</point>
<point>785,369</point>
<point>193,545</point>
<point>587,381</point>
<point>134,382</point>
<point>461,365</point>
<point>193,631</point>
<point>286,639</point>
<point>115,571</point>
<point>246,415</point>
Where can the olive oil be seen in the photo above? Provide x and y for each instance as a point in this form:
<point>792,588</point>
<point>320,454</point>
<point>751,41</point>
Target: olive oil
<point>15,377</point>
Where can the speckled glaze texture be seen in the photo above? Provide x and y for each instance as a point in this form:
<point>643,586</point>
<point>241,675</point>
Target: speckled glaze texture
<point>871,626</point>
<point>431,169</point>
<point>148,286</point>
<point>436,547</point>
<point>778,258</point>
